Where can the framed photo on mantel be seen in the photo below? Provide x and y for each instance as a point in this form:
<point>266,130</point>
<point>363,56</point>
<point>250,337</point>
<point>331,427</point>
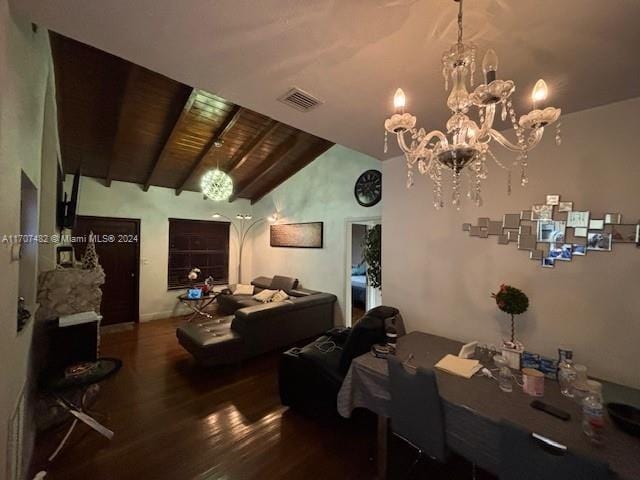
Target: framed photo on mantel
<point>297,235</point>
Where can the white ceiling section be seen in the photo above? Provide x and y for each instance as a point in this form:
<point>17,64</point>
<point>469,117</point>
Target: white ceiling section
<point>352,54</point>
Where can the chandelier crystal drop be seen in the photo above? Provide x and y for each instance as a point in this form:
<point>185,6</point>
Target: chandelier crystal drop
<point>464,149</point>
<point>217,185</point>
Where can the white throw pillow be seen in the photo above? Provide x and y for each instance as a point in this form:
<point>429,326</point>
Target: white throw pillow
<point>264,296</point>
<point>279,296</point>
<point>243,289</point>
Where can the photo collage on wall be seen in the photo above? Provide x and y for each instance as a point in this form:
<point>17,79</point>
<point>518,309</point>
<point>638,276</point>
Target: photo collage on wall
<point>554,232</point>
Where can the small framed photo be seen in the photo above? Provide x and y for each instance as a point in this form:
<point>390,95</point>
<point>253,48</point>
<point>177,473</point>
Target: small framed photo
<point>551,231</point>
<point>565,206</point>
<point>579,250</point>
<point>474,231</point>
<point>562,252</point>
<point>64,256</point>
<point>483,222</point>
<point>526,242</point>
<point>612,218</point>
<point>511,220</point>
<point>495,228</point>
<point>580,232</point>
<point>536,255</point>
<point>553,199</point>
<point>622,233</point>
<point>578,219</point>
<point>548,262</point>
<point>541,212</point>
<point>595,224</point>
<point>599,241</point>
<point>526,215</point>
<point>524,230</point>
<point>466,227</point>
<point>503,239</point>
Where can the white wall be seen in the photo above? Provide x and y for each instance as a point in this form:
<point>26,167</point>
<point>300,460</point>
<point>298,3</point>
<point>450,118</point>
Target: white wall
<point>322,191</point>
<point>154,208</point>
<point>25,67</point>
<point>441,278</point>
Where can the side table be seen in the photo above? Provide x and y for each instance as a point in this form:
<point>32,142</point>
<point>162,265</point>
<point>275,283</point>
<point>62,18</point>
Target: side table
<point>198,305</point>
<point>59,385</point>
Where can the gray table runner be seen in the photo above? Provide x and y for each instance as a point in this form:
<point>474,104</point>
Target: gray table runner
<point>473,407</point>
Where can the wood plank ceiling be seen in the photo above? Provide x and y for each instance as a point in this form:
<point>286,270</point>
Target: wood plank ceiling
<point>120,121</point>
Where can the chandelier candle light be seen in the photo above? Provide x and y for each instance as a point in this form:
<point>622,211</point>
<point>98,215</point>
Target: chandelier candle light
<point>464,149</point>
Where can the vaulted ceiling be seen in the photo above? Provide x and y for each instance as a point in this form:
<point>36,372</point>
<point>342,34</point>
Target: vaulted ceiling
<point>120,121</point>
<point>353,54</point>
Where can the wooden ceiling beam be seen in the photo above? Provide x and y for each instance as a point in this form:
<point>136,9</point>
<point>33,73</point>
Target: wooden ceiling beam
<point>167,144</point>
<point>216,139</point>
<point>247,150</point>
<point>269,163</point>
<point>304,159</point>
<point>132,77</point>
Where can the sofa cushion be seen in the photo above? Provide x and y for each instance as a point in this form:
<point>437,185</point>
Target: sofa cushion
<point>279,296</point>
<point>241,289</point>
<point>261,283</point>
<point>264,296</point>
<point>283,283</point>
<point>230,303</point>
<point>212,342</point>
<point>302,292</point>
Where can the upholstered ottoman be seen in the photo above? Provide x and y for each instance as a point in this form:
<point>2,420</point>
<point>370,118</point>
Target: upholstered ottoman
<point>212,342</point>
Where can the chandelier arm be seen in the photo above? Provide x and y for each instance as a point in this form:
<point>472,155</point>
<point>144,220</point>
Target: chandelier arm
<point>489,116</point>
<point>423,143</point>
<point>502,140</point>
<point>535,137</point>
<point>402,143</point>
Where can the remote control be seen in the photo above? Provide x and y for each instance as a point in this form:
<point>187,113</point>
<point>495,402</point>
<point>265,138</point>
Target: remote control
<point>553,411</point>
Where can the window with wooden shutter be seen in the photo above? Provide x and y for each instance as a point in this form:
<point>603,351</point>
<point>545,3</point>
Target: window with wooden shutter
<point>198,243</point>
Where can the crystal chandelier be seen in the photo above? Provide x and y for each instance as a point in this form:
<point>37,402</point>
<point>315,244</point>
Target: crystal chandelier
<point>217,185</point>
<point>464,149</point>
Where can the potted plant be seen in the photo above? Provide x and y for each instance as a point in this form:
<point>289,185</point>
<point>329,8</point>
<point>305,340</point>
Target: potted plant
<point>372,255</point>
<point>514,302</point>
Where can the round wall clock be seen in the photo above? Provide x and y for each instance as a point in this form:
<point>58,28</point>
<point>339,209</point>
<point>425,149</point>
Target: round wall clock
<point>368,188</point>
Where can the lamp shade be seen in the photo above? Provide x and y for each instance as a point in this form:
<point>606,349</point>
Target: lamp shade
<point>217,185</point>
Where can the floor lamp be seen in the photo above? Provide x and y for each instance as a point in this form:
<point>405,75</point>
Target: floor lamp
<point>242,230</point>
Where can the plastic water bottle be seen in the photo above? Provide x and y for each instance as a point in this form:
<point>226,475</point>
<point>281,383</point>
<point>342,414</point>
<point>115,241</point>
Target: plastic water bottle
<point>593,413</point>
<point>566,372</point>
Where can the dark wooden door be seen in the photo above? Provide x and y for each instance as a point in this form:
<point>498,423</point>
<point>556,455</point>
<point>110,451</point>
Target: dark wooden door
<point>118,247</point>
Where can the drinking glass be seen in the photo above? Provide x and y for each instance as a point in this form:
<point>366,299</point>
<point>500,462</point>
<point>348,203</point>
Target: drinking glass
<point>505,377</point>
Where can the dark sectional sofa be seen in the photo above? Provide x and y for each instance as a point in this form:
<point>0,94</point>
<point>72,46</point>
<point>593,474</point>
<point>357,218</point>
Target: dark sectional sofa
<point>252,327</point>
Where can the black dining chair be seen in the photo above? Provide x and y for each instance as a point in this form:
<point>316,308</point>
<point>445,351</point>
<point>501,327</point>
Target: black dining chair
<point>416,411</point>
<point>524,456</point>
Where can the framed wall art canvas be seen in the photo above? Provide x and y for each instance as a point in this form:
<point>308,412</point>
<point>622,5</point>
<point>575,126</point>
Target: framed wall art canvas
<point>297,235</point>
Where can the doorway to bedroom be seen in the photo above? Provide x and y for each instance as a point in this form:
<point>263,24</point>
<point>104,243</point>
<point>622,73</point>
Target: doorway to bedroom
<point>363,275</point>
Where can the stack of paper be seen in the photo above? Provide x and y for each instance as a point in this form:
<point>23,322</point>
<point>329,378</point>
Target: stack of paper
<point>458,366</point>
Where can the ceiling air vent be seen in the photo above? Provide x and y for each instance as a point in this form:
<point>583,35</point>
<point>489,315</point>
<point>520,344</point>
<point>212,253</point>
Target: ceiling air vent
<point>300,100</point>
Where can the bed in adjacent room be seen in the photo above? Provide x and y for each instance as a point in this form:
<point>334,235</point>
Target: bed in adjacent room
<point>359,286</point>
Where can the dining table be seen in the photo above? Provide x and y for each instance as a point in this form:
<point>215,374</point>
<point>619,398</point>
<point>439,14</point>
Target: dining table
<point>473,409</point>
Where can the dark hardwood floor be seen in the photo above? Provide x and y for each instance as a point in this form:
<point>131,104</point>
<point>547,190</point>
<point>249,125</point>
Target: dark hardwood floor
<point>175,420</point>
<point>356,314</point>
